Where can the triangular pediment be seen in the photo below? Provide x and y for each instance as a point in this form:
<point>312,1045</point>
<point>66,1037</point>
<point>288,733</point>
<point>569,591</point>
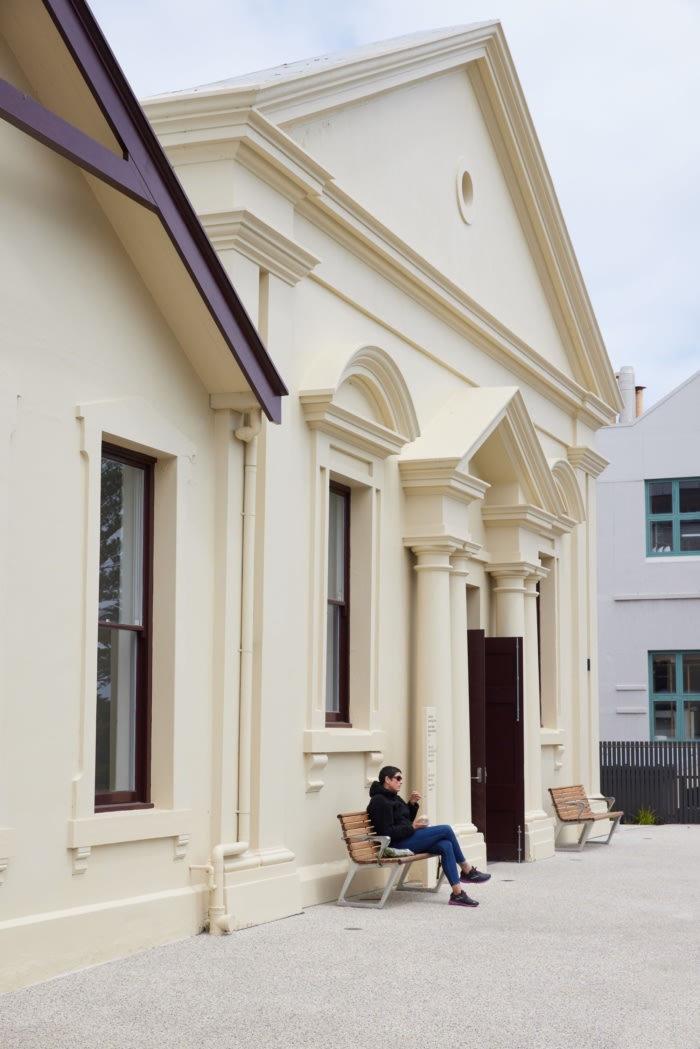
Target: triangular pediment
<point>487,435</point>
<point>429,137</point>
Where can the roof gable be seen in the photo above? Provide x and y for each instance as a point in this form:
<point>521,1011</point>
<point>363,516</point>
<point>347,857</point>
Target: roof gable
<point>95,122</point>
<point>305,100</point>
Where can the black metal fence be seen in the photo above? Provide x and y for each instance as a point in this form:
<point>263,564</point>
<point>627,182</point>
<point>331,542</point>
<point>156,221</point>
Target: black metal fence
<point>663,777</point>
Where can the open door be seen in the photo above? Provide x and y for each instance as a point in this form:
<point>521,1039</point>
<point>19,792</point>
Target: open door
<point>497,743</point>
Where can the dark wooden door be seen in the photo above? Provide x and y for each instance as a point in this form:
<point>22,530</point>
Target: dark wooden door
<point>497,743</point>
<point>476,642</point>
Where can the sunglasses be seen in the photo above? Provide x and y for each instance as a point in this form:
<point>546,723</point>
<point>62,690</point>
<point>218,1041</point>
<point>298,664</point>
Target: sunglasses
<point>399,779</point>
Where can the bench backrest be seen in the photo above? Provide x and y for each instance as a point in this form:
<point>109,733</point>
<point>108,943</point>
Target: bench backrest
<point>356,826</point>
<point>571,803</point>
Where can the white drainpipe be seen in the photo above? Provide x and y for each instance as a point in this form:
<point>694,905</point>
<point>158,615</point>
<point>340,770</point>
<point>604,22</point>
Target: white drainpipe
<point>220,920</point>
<point>249,435</point>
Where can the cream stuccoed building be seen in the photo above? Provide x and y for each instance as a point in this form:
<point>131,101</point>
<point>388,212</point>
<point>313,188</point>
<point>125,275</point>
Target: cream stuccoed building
<point>402,571</point>
<point>388,218</point>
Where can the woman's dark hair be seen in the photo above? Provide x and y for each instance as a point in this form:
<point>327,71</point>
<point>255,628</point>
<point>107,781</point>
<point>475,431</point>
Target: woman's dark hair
<point>388,772</point>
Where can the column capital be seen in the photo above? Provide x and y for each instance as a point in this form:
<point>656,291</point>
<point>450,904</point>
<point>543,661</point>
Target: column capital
<point>460,558</point>
<point>426,546</point>
<point>533,578</point>
<point>519,570</point>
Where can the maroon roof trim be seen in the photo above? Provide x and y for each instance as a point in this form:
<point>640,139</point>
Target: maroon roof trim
<point>28,115</point>
<point>152,171</point>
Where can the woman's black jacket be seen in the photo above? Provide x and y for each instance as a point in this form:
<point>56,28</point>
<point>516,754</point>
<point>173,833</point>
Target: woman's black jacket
<point>390,814</point>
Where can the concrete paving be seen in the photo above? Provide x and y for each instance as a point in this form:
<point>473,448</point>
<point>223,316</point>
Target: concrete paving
<point>597,949</point>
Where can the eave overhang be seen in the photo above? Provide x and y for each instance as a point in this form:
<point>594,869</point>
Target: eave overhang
<point>134,163</point>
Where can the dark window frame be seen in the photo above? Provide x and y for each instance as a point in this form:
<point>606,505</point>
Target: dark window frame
<point>139,797</point>
<point>341,717</point>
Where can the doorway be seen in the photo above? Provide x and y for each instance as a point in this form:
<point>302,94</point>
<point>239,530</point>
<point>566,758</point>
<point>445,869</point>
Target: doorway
<point>496,743</point>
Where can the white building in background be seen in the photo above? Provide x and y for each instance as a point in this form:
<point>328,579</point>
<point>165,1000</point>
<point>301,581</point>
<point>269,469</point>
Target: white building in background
<point>649,568</point>
<point>215,630</point>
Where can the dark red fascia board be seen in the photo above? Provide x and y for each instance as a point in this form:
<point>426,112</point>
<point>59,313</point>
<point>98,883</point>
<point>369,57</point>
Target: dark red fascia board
<point>28,115</point>
<point>146,175</point>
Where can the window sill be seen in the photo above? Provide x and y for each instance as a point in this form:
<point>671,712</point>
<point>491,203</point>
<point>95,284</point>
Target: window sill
<point>112,828</point>
<point>551,737</point>
<point>342,741</point>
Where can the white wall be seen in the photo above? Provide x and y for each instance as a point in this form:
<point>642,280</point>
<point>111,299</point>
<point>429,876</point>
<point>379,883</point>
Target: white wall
<point>645,603</point>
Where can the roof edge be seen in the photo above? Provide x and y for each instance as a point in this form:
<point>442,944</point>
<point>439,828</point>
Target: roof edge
<point>105,79</point>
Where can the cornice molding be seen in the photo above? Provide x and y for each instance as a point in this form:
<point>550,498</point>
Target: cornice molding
<point>582,458</point>
<point>531,518</point>
<point>203,126</point>
<point>242,231</point>
<point>336,422</point>
<point>534,196</point>
<point>440,477</point>
<point>348,224</point>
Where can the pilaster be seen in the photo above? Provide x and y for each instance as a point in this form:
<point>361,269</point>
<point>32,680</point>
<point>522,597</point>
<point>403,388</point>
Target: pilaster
<point>461,811</point>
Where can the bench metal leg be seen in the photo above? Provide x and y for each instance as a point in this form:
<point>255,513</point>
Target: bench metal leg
<point>614,820</point>
<point>582,838</point>
<point>358,901</point>
<point>397,876</point>
<point>419,888</point>
<point>614,827</point>
<point>585,835</point>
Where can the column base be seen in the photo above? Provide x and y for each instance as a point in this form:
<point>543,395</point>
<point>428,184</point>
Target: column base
<point>539,836</point>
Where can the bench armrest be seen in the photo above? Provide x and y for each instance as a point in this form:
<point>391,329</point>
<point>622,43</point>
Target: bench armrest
<point>382,839</point>
<point>609,800</point>
<point>580,806</point>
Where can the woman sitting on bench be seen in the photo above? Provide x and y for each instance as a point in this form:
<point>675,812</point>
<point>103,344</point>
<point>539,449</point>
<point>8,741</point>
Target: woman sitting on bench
<point>398,820</point>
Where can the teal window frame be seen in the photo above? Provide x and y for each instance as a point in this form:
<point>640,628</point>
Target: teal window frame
<point>675,521</point>
<point>674,695</point>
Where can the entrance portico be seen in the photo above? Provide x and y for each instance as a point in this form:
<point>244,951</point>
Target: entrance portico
<point>499,491</point>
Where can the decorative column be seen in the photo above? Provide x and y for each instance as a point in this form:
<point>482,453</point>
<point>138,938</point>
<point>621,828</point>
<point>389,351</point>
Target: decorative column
<point>432,728</point>
<point>439,493</point>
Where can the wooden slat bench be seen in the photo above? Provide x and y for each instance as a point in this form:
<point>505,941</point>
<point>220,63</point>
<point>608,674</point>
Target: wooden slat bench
<point>366,850</point>
<point>572,806</point>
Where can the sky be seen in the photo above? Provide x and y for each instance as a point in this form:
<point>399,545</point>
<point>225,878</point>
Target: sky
<point>613,88</point>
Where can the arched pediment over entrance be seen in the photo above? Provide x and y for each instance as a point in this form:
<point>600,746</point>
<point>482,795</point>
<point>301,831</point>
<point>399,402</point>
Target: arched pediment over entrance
<point>368,398</point>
